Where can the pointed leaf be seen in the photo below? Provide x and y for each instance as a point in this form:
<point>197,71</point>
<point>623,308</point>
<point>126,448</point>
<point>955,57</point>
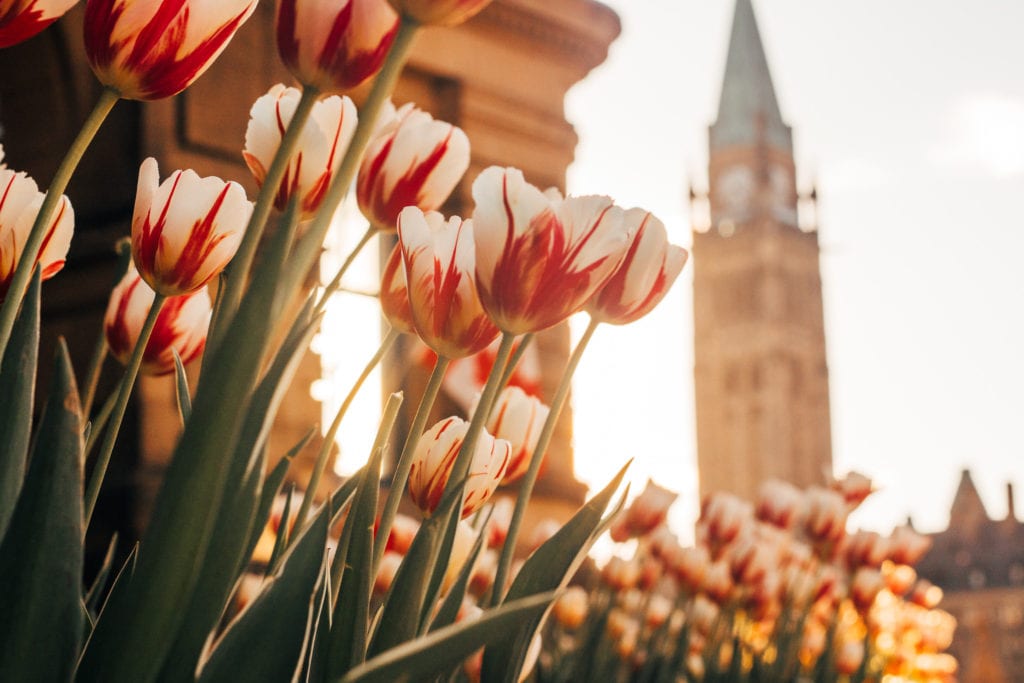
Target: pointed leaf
<point>92,596</point>
<point>41,553</point>
<point>18,379</point>
<point>549,567</point>
<point>281,539</point>
<point>439,651</point>
<point>181,388</point>
<point>267,641</point>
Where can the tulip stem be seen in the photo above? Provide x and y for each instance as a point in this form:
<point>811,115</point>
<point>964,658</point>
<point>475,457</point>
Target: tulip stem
<point>123,393</point>
<point>27,261</point>
<point>238,271</point>
<point>335,283</point>
<point>526,487</point>
<point>404,463</point>
<point>328,442</point>
<point>517,356</point>
<point>98,423</point>
<point>92,375</point>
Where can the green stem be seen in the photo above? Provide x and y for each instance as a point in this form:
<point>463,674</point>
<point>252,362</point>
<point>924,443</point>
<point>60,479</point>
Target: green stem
<point>99,423</point>
<point>242,262</point>
<point>404,464</point>
<point>124,392</point>
<point>328,442</point>
<point>92,375</point>
<point>526,487</point>
<point>335,284</point>
<point>308,248</point>
<point>27,260</point>
<point>510,368</point>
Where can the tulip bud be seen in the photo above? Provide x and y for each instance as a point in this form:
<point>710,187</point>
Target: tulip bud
<point>866,585</point>
<point>181,325</point>
<point>518,418</point>
<point>825,521</point>
<point>22,19</point>
<point>779,503</point>
<point>394,294</point>
<point>435,455</point>
<point>20,201</point>
<point>186,229</point>
<point>645,513</point>
<point>438,256</point>
<point>439,12</point>
<point>540,258</point>
<point>151,49</point>
<point>416,161</point>
<point>334,46</point>
<point>318,154</point>
<point>648,270</point>
<point>854,488</point>
<point>722,517</point>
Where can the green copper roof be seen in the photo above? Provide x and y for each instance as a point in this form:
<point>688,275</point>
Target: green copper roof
<point>748,98</point>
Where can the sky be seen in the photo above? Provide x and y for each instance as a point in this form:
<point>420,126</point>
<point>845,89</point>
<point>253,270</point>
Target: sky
<point>909,117</point>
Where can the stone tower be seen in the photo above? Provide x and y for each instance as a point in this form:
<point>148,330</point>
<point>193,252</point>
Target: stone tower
<point>760,372</point>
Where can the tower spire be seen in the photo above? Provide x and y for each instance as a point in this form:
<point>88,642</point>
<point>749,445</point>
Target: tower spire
<point>748,111</point>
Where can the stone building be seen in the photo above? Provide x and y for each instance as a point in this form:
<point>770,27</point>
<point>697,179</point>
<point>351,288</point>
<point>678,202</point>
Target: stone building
<point>978,562</point>
<point>502,77</point>
<point>760,370</point>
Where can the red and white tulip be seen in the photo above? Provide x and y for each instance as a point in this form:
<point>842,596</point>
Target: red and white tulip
<point>394,294</point>
<point>334,46</point>
<point>22,19</point>
<point>20,201</point>
<point>539,257</point>
<point>151,49</point>
<point>435,456</point>
<point>518,418</point>
<point>439,12</point>
<point>181,325</point>
<point>318,154</point>
<point>186,229</point>
<point>439,260</point>
<point>642,280</point>
<point>645,513</point>
<point>415,161</point>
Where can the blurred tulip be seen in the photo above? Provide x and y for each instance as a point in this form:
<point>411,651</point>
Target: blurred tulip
<point>466,377</point>
<point>926,594</point>
<point>866,549</point>
<point>539,258</point>
<point>691,566</point>
<point>439,12</point>
<point>435,456</point>
<point>181,325</point>
<point>416,161</point>
<point>649,268</point>
<point>717,583</point>
<point>386,573</point>
<point>517,418</point>
<point>465,537</point>
<point>621,574</point>
<point>825,521</point>
<point>438,258</point>
<point>645,513</point>
<point>334,45</point>
<point>779,503</point>
<point>394,294</point>
<point>541,534</point>
<point>186,229</point>
<point>318,154</point>
<point>722,517</point>
<point>20,201</point>
<point>403,531</point>
<point>22,19</point>
<point>906,546</point>
<point>849,657</point>
<point>151,49</point>
<point>501,518</point>
<point>484,572</point>
<point>866,585</point>
<point>570,609</point>
<point>854,488</point>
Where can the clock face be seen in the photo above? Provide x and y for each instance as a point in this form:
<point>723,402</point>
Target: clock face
<point>735,187</point>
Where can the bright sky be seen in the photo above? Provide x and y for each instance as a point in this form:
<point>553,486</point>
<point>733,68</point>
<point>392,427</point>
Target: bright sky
<point>910,116</point>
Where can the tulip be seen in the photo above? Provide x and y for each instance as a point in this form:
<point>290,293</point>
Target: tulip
<point>151,49</point>
<point>866,549</point>
<point>181,325</point>
<point>849,657</point>
<point>642,280</point>
<point>389,564</point>
<point>318,154</point>
<point>570,609</point>
<point>22,19</point>
<point>403,531</point>
<point>438,258</point>
<point>434,458</point>
<point>186,229</point>
<point>416,161</point>
<point>867,584</point>
<point>518,418</point>
<point>466,377</point>
<point>907,546</point>
<point>539,257</point>
<point>394,294</point>
<point>854,487</point>
<point>690,565</point>
<point>20,201</point>
<point>826,513</point>
<point>722,517</point>
<point>334,45</point>
<point>779,503</point>
<point>646,512</point>
<point>439,12</point>
<point>501,517</point>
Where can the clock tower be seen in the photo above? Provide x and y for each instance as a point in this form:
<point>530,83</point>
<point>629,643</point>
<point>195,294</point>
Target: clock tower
<point>760,371</point>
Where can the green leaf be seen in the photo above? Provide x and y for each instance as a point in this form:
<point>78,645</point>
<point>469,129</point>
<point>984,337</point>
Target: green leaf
<point>281,539</point>
<point>314,666</point>
<point>268,640</point>
<point>439,651</point>
<point>18,379</point>
<point>181,388</point>
<point>549,567</point>
<point>41,553</point>
<point>132,638</point>
<point>92,596</point>
<point>346,646</point>
<point>123,578</point>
